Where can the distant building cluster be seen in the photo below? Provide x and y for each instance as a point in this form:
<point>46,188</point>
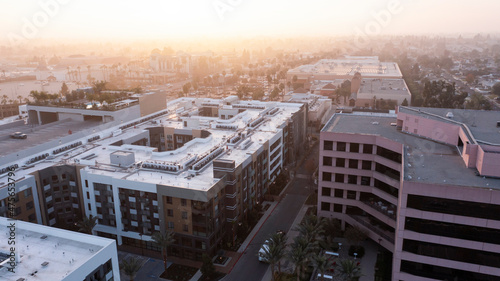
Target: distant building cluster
<point>424,183</point>
<point>370,79</point>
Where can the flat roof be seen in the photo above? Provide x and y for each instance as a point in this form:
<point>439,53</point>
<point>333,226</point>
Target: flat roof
<point>425,160</point>
<point>481,123</point>
<point>367,66</point>
<point>270,116</point>
<point>383,88</point>
<point>50,252</point>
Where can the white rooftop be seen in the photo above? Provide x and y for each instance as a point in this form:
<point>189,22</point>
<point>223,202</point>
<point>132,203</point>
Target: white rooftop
<point>46,253</point>
<point>96,155</point>
<point>349,65</point>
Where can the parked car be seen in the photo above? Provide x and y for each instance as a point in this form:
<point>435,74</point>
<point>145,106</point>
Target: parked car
<point>18,135</point>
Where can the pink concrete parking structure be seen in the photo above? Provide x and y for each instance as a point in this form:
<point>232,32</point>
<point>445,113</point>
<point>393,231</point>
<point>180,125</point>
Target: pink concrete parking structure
<point>423,182</point>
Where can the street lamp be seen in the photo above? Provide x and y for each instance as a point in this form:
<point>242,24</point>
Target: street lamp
<point>355,255</point>
<point>340,246</point>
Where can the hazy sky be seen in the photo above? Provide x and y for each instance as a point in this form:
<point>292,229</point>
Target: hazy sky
<point>219,18</point>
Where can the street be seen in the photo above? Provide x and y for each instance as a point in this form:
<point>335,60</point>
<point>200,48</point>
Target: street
<point>248,268</point>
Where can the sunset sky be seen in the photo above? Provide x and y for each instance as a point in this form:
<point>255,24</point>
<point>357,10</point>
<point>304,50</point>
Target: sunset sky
<point>220,18</point>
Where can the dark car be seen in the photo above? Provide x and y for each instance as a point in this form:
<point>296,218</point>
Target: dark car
<point>18,135</point>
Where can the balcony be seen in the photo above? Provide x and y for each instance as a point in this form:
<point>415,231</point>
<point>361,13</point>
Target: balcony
<point>386,209</point>
<point>387,235</point>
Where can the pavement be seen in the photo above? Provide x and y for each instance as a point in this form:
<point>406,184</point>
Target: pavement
<point>283,217</point>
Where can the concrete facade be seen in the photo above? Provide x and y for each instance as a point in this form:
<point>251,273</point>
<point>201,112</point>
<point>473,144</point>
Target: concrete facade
<point>423,185</point>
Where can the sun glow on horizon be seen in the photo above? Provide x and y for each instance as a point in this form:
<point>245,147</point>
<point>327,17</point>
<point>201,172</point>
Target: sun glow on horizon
<point>218,18</point>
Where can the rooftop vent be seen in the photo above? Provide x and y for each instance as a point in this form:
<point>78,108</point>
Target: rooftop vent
<point>45,263</point>
<point>43,237</point>
<point>449,115</point>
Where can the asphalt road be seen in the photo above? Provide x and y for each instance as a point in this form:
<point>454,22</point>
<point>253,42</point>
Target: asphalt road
<point>248,267</point>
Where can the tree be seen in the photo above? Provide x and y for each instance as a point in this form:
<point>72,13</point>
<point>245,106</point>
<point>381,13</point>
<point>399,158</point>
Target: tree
<point>4,99</point>
<point>186,87</point>
<point>470,78</point>
<point>348,270</point>
<point>274,93</point>
<point>163,241</point>
<point>299,254</point>
<point>275,251</point>
<point>207,268</point>
<point>322,263</point>
<point>405,102</point>
<point>294,79</point>
<point>310,228</point>
<point>257,94</point>
<point>496,89</point>
<point>20,98</point>
<point>354,235</point>
<point>64,89</point>
<point>87,224</point>
<point>130,267</point>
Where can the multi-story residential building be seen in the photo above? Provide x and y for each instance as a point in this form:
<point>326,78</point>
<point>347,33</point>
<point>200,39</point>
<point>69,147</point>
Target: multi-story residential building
<point>47,253</point>
<point>423,183</point>
<point>176,170</point>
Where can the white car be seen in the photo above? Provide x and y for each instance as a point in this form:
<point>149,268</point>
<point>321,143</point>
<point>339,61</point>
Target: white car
<point>262,251</point>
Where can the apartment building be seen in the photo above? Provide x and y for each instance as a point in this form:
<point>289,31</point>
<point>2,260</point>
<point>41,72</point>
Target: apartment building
<point>47,253</point>
<point>423,183</point>
<point>175,170</point>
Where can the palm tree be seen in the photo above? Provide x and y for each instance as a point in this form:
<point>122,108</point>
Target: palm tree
<point>4,99</point>
<point>299,254</point>
<point>349,270</point>
<point>87,224</point>
<point>163,241</point>
<point>311,228</point>
<point>275,251</point>
<point>20,98</point>
<point>130,267</point>
<point>322,264</point>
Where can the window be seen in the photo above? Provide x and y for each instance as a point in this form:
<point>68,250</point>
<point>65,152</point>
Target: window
<point>32,217</point>
<point>325,206</point>
<point>169,200</point>
<point>339,178</point>
<point>354,147</point>
<point>29,205</point>
<point>325,191</point>
<point>340,162</point>
<point>185,228</point>
<point>366,165</point>
<point>184,215</point>
<point>183,202</point>
<point>353,163</point>
<point>327,161</point>
<point>339,193</point>
<point>341,146</point>
<point>365,180</point>
<point>367,148</point>
<point>352,179</point>
<point>351,194</point>
<point>170,225</point>
<point>170,212</point>
<point>328,145</point>
<point>86,183</point>
<point>337,208</point>
<point>27,193</point>
<point>327,176</point>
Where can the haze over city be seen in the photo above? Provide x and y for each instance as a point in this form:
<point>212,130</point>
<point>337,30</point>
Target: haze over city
<point>240,140</point>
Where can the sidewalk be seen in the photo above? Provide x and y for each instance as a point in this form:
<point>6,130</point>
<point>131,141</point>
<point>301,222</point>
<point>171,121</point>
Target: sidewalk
<point>257,227</point>
<point>235,256</point>
<point>291,234</point>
